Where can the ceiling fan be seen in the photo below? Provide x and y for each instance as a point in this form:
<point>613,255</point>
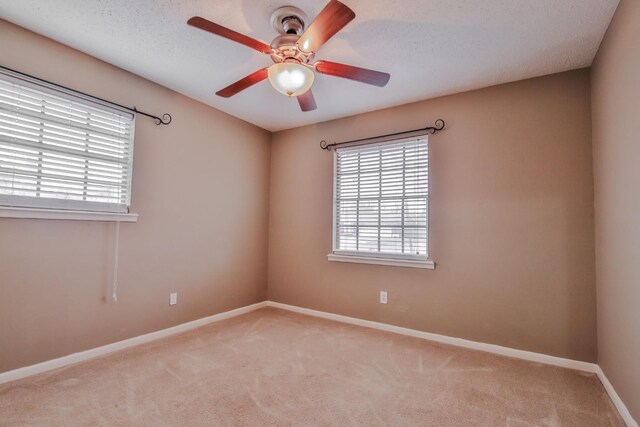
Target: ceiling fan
<point>293,51</point>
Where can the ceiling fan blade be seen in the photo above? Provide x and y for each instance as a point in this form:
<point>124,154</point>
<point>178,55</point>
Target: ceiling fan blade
<point>329,21</point>
<point>307,101</point>
<point>221,31</point>
<point>362,75</point>
<point>242,84</point>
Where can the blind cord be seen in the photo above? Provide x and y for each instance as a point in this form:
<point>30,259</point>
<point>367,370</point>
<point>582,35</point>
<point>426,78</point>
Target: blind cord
<point>114,286</point>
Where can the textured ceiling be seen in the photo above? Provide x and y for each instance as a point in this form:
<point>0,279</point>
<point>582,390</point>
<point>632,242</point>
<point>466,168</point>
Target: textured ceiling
<point>430,47</point>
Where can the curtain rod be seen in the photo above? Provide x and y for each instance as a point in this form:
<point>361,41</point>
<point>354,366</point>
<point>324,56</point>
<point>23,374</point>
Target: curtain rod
<point>439,125</point>
<point>165,120</point>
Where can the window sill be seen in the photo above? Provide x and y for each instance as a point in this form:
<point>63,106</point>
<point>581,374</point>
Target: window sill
<point>428,264</point>
<point>32,213</point>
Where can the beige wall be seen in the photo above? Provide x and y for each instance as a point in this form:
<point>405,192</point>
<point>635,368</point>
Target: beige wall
<point>616,147</point>
<point>511,220</point>
<point>200,186</point>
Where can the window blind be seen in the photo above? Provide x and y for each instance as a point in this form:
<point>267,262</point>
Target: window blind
<point>60,151</point>
<point>381,196</point>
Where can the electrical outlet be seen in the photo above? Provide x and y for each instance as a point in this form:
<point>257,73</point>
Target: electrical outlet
<point>383,297</point>
<point>173,298</point>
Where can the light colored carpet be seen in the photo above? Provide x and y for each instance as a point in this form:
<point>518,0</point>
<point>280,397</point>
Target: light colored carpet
<point>273,367</point>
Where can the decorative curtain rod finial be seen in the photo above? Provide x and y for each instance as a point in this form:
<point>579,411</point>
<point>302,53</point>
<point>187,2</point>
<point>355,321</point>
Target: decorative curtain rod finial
<point>165,120</point>
<point>439,125</point>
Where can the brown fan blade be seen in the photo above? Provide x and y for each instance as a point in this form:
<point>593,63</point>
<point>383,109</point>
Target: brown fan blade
<point>221,31</point>
<point>363,75</point>
<point>307,101</point>
<point>329,21</point>
<point>241,85</point>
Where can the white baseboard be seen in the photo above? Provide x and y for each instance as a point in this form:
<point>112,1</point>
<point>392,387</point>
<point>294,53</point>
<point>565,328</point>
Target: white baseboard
<point>622,408</point>
<point>82,356</point>
<point>459,342</point>
<point>490,348</point>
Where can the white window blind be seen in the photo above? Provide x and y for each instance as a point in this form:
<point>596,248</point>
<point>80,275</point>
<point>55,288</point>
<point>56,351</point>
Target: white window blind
<point>381,199</point>
<point>60,151</point>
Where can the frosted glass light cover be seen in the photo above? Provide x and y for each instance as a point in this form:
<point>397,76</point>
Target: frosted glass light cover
<point>290,78</point>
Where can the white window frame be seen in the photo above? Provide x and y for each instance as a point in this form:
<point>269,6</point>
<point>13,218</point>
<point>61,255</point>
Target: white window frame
<point>15,206</point>
<point>397,260</point>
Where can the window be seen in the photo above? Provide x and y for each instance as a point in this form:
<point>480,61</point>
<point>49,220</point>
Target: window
<point>381,202</point>
<point>61,151</point>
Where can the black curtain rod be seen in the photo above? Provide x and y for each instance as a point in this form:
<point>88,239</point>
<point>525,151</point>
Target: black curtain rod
<point>165,120</point>
<point>439,125</point>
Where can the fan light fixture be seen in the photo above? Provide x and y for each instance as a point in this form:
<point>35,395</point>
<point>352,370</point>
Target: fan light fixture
<point>293,52</point>
<point>290,78</point>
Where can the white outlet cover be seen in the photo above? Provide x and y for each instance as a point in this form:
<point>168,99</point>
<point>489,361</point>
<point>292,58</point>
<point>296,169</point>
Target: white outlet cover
<point>383,297</point>
<point>173,298</point>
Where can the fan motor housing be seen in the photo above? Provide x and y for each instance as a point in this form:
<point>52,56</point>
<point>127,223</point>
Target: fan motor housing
<point>290,22</point>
